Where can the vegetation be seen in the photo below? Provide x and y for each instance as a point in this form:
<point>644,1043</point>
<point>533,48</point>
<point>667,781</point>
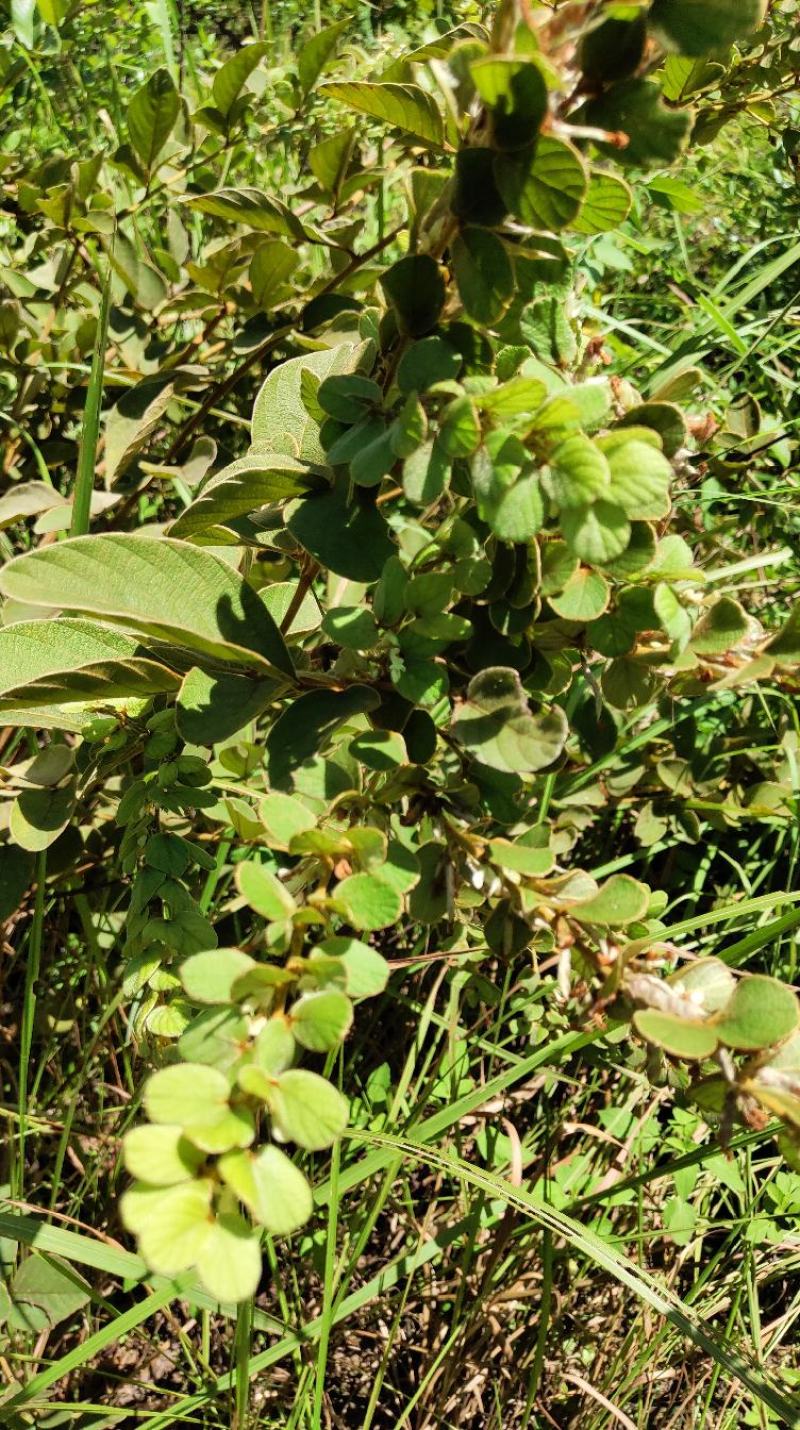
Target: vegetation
<point>398,690</point>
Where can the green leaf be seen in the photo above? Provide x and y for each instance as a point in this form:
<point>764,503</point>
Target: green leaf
<point>584,598</point>
<point>723,626</point>
<point>785,645</point>
<point>495,725</point>
<point>366,971</point>
<point>426,474</point>
<point>38,816</point>
<point>368,902</point>
<point>426,362</point>
<point>271,266</point>
<point>678,1036</point>
<point>640,477</point>
<point>656,134</point>
<point>55,1288</point>
<point>160,1155</point>
<point>403,106</point>
<point>247,484</point>
<point>761,1012</point>
<point>281,421</point>
<point>283,817</point>
<point>151,116</point>
<point>163,588</point>
<point>621,900</point>
<point>172,1224</point>
<point>352,627</point>
<point>321,1021</point>
<point>135,416</point>
<point>231,77</point>
<point>209,977</point>
<point>579,472</point>
<point>708,982</point>
<point>186,1095</point>
<point>306,726</point>
<point>612,49</point>
<point>705,27</point>
<point>545,187</point>
<point>211,708</point>
<point>606,204</point>
<point>316,52</point>
<point>251,207</point>
<point>415,288</point>
<point>307,1109</point>
<point>68,660</point>
<point>483,273</point>
<point>380,750</point>
<point>275,1192</point>
<point>516,93</point>
<point>598,533</point>
<point>264,892</point>
<point>229,1260</point>
<point>349,538</point>
<point>517,513</point>
<point>628,683</point>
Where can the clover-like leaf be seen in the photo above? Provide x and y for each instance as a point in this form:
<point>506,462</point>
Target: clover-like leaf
<point>160,1155</point>
<point>307,1109</point>
<point>678,1036</point>
<point>368,902</point>
<point>264,892</point>
<point>229,1260</point>
<point>761,1012</point>
<point>274,1190</point>
<point>619,901</point>
<point>186,1095</point>
<point>495,724</point>
<point>172,1224</point>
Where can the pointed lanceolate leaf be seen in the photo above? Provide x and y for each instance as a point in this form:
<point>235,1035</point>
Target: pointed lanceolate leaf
<point>165,589</point>
<point>403,106</point>
<point>247,484</point>
<point>71,660</point>
<point>231,77</point>
<point>152,113</point>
